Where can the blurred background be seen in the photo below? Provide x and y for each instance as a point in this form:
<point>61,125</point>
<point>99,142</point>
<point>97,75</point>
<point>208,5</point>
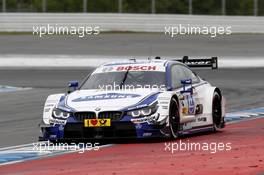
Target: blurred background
<point>201,7</point>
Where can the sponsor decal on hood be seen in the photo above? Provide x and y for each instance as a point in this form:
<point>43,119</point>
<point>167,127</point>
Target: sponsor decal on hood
<point>105,96</point>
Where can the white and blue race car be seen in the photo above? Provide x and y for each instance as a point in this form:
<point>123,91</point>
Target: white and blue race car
<point>136,99</point>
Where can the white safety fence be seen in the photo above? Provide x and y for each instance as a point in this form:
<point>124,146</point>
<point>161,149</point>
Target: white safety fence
<point>24,22</point>
<point>41,61</point>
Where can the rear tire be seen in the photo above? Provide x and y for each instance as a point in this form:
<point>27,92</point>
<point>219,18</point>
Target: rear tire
<point>217,111</point>
<point>174,119</point>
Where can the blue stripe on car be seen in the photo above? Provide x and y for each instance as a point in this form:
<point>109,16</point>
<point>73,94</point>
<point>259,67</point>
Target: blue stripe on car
<point>143,103</point>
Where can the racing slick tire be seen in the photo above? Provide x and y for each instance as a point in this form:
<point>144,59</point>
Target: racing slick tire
<point>174,119</point>
<point>217,111</point>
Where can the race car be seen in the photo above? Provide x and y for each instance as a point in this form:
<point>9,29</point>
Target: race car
<point>136,99</point>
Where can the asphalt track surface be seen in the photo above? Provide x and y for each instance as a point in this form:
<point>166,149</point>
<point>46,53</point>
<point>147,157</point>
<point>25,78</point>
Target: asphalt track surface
<point>136,44</point>
<point>21,111</point>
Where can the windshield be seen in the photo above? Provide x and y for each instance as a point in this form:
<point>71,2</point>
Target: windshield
<point>135,79</point>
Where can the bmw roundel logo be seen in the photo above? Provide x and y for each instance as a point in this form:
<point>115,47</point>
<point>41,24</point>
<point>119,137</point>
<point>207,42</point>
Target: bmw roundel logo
<point>97,109</point>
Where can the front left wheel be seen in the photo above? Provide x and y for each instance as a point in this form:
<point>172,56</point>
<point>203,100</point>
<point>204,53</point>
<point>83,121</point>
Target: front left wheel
<point>174,119</point>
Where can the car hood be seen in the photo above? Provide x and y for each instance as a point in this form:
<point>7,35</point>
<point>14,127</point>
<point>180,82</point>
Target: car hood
<point>95,100</point>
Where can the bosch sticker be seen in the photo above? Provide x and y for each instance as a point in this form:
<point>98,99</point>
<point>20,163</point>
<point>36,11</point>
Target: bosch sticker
<point>136,68</point>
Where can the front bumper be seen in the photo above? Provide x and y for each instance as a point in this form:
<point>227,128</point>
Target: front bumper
<point>118,129</point>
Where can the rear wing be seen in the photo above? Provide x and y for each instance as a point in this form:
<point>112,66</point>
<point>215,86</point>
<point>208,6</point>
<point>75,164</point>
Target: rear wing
<point>200,63</point>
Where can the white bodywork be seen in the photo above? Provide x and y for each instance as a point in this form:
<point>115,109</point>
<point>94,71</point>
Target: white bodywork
<point>202,95</point>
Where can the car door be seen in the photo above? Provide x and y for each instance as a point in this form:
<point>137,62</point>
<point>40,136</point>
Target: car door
<point>193,97</point>
<point>187,99</point>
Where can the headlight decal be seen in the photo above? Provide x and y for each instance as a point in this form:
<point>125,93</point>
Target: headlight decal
<point>57,113</point>
<point>147,111</point>
<point>135,113</point>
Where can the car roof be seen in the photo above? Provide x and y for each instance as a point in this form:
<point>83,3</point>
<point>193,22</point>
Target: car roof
<point>146,62</point>
<point>137,61</point>
<point>133,65</point>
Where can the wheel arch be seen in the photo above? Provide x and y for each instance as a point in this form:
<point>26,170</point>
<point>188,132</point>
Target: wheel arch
<point>50,103</point>
<point>176,98</point>
<point>206,99</point>
<point>218,91</point>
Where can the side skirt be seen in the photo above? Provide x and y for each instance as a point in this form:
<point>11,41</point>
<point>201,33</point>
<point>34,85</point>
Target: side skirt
<point>198,129</point>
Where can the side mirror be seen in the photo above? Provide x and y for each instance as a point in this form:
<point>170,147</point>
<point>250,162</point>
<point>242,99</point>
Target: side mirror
<point>169,88</point>
<point>72,86</point>
<point>185,83</point>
